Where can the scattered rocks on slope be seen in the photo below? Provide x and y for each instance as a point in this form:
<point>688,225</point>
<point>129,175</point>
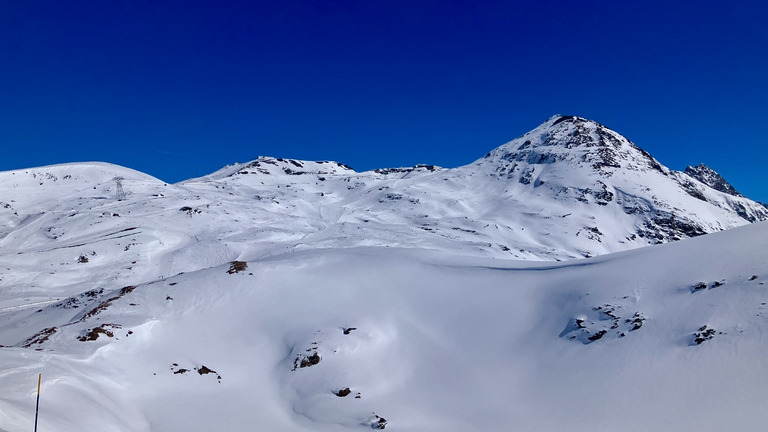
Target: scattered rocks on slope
<point>597,335</point>
<point>107,303</point>
<point>303,361</point>
<point>237,267</point>
<point>190,211</point>
<point>636,321</point>
<point>39,337</point>
<point>377,422</point>
<point>94,333</point>
<point>701,286</point>
<point>177,370</point>
<point>703,334</point>
<point>602,321</point>
<point>202,370</point>
<point>698,286</point>
<point>75,302</point>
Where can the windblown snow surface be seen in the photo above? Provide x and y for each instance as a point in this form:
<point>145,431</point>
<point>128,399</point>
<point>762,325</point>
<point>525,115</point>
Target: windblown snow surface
<point>412,299</point>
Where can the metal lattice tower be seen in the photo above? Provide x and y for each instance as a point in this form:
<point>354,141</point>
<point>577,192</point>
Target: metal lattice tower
<point>119,192</point>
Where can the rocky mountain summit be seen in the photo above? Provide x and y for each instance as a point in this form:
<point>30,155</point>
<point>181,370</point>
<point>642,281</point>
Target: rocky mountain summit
<point>711,178</point>
<point>577,160</point>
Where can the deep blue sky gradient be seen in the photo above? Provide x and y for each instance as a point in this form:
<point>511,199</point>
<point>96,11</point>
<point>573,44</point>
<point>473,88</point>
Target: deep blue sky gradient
<point>179,89</point>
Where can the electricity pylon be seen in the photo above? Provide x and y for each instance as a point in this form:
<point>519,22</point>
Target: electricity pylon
<point>119,192</point>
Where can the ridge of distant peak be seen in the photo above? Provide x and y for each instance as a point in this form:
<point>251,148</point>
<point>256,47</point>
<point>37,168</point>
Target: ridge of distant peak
<point>711,178</point>
<point>561,118</point>
<point>267,165</point>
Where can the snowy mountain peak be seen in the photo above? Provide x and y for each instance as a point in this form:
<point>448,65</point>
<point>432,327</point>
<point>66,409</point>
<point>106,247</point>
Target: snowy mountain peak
<point>277,166</point>
<point>711,178</point>
<point>592,169</point>
<point>577,141</point>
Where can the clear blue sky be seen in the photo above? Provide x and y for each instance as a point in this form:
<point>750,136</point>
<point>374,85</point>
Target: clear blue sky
<point>179,89</point>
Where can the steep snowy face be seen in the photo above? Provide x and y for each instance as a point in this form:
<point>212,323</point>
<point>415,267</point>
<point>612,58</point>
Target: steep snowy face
<point>616,183</point>
<point>711,178</point>
<point>574,141</point>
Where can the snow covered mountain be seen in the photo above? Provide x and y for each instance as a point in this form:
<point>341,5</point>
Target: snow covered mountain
<point>570,188</point>
<point>291,295</point>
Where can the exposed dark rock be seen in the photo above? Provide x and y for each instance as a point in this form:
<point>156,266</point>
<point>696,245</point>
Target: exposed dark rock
<point>237,267</point>
<point>704,334</point>
<point>698,286</point>
<point>39,337</point>
<point>711,178</point>
<point>94,333</point>
<point>204,370</point>
<point>107,303</point>
<point>190,211</point>
<point>597,335</point>
<point>310,361</point>
<point>304,361</point>
<point>378,422</point>
<point>690,188</point>
<point>343,392</point>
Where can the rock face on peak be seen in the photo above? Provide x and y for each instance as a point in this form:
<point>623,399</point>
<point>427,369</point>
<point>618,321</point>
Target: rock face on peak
<point>597,171</point>
<point>577,141</point>
<point>711,178</point>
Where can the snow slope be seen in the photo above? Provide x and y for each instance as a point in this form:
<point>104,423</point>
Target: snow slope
<point>433,294</point>
<point>570,188</point>
<point>441,342</point>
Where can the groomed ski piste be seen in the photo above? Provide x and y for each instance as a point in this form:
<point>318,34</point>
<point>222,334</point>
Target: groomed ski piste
<point>412,299</point>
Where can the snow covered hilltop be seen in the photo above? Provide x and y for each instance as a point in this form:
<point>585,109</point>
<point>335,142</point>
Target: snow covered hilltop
<point>293,295</point>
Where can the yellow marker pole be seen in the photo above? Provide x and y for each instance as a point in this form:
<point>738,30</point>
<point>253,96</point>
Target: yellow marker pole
<point>37,407</point>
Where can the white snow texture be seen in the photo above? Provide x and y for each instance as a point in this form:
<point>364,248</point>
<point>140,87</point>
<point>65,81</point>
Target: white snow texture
<point>539,288</point>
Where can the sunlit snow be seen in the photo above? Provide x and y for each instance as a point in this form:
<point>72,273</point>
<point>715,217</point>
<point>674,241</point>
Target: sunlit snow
<point>537,288</point>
